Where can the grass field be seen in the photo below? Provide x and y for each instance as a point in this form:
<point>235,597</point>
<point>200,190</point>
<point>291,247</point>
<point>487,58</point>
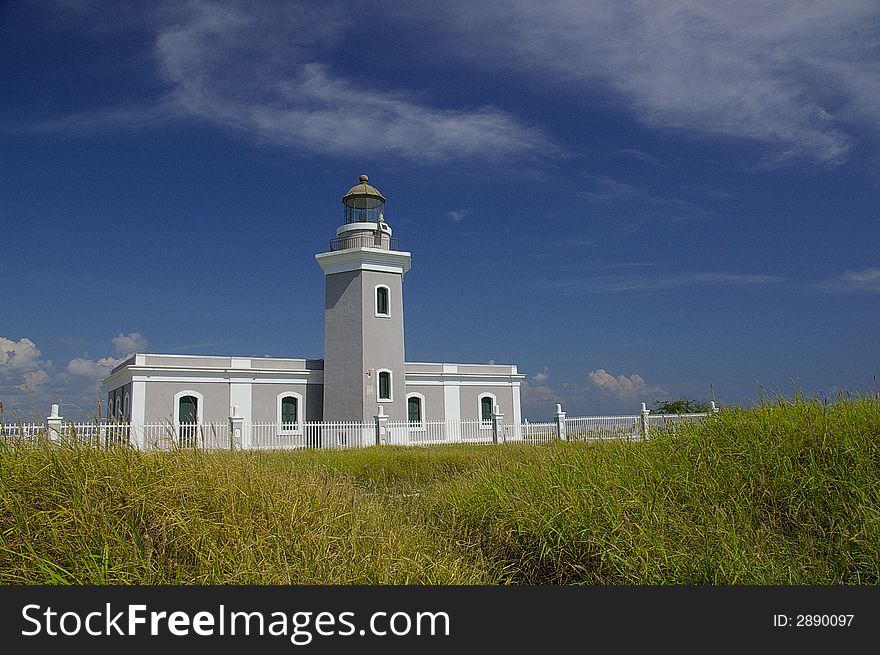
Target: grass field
<point>783,493</point>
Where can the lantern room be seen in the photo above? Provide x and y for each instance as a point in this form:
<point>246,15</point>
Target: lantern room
<point>364,203</point>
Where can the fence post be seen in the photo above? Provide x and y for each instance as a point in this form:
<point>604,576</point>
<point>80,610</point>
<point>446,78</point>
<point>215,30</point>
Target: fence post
<point>497,424</point>
<point>237,434</point>
<point>381,426</point>
<point>644,420</point>
<point>560,423</point>
<point>53,423</point>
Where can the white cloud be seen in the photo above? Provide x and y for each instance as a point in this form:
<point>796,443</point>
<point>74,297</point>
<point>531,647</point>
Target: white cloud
<point>622,387</point>
<point>34,380</point>
<point>657,282</point>
<point>794,75</point>
<point>603,393</point>
<point>128,344</point>
<point>29,384</point>
<point>797,76</point>
<point>25,376</point>
<point>18,356</point>
<point>320,112</point>
<point>92,369</point>
<point>864,280</point>
<point>541,378</point>
<point>869,277</point>
<point>537,392</point>
<point>258,68</point>
<point>606,189</point>
<point>106,120</point>
<point>457,215</point>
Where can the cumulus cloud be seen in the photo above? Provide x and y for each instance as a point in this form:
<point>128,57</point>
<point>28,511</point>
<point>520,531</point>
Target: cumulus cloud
<point>25,376</point>
<point>29,383</point>
<point>537,391</point>
<point>22,367</point>
<point>621,387</point>
<point>600,393</point>
<point>18,356</point>
<point>34,380</point>
<point>541,378</point>
<point>92,369</point>
<point>128,344</point>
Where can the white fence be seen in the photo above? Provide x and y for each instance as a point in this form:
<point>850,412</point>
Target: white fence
<point>424,433</point>
<point>240,435</point>
<point>331,434</point>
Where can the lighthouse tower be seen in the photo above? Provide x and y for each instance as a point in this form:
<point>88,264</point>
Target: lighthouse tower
<point>363,312</point>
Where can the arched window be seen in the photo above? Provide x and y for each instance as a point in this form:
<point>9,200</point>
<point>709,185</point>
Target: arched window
<point>126,406</point>
<point>385,386</point>
<point>290,411</point>
<point>187,420</point>
<point>118,406</point>
<point>414,409</point>
<point>383,298</point>
<point>487,403</point>
<point>189,408</point>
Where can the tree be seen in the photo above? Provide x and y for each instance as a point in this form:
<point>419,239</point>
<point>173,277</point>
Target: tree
<point>683,405</point>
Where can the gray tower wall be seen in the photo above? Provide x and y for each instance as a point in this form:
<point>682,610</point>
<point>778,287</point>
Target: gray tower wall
<point>383,344</point>
<point>343,347</point>
<point>358,344</point>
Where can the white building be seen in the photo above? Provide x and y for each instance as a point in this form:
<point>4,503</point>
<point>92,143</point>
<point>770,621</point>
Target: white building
<point>363,374</point>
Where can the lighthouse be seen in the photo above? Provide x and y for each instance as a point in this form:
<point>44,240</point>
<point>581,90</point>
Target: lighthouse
<point>272,402</point>
<point>363,312</point>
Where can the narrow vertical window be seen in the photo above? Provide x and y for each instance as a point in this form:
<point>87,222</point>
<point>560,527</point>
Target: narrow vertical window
<point>382,301</point>
<point>288,413</point>
<point>187,418</point>
<point>414,409</point>
<point>486,409</point>
<point>384,385</point>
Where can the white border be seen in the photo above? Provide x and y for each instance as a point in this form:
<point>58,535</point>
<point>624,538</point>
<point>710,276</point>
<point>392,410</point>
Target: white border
<point>241,394</point>
<point>200,408</point>
<point>480,397</point>
<point>139,407</point>
<point>390,398</point>
<point>376,312</point>
<point>300,410</point>
<point>423,411</point>
<point>364,259</point>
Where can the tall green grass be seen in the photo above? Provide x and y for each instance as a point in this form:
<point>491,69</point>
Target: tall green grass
<point>784,493</point>
<point>88,516</point>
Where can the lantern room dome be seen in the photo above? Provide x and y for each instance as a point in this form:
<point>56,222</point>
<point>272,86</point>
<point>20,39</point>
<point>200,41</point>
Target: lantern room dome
<point>363,203</point>
<point>363,190</point>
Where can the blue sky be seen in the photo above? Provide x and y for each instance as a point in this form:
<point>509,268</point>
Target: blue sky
<point>631,201</point>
